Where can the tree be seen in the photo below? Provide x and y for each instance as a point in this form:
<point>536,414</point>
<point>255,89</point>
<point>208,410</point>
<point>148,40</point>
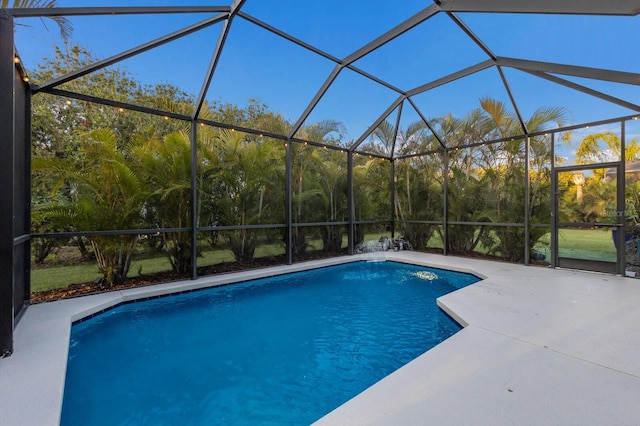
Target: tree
<point>467,190</point>
<point>106,194</point>
<point>164,166</point>
<point>504,165</point>
<point>599,200</point>
<point>308,192</point>
<point>333,199</point>
<point>59,124</point>
<point>58,121</point>
<point>249,175</point>
<point>255,115</point>
<point>487,182</point>
<point>371,194</point>
<point>591,151</point>
<point>415,198</point>
<point>419,197</point>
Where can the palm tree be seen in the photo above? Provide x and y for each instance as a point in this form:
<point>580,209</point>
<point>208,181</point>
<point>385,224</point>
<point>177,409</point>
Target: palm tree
<point>419,196</point>
<point>414,197</point>
<point>381,141</point>
<point>333,199</point>
<point>248,175</point>
<point>307,177</point>
<point>599,193</point>
<point>371,194</point>
<point>165,168</point>
<point>66,29</point>
<point>107,195</point>
<point>503,166</point>
<point>590,151</point>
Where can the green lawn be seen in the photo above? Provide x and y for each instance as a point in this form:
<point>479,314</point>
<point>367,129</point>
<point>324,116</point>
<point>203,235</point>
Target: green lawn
<point>594,244</point>
<point>576,243</point>
<point>47,278</point>
<point>43,279</point>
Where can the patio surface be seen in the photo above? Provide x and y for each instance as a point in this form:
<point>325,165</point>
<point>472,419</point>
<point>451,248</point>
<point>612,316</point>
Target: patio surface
<point>540,346</point>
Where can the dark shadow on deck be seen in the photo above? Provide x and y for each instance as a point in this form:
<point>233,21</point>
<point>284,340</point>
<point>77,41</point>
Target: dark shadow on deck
<point>587,265</point>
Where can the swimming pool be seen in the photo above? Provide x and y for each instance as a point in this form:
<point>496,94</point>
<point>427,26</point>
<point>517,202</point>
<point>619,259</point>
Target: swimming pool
<point>285,349</point>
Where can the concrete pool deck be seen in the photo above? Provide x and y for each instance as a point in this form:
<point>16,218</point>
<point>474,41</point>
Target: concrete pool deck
<point>540,346</point>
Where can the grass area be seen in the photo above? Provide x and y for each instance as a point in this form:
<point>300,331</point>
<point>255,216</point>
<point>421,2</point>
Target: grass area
<point>212,257</point>
<point>576,243</point>
<point>593,244</point>
<point>48,278</point>
<point>43,279</point>
<point>592,240</point>
<point>596,244</point>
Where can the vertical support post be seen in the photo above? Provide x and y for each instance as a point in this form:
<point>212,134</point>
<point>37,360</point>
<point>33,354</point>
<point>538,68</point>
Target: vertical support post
<point>288,201</point>
<point>554,204</point>
<point>393,198</point>
<point>195,220</point>
<point>350,203</point>
<point>7,138</point>
<point>445,202</point>
<point>527,200</point>
<point>26,197</point>
<point>621,193</point>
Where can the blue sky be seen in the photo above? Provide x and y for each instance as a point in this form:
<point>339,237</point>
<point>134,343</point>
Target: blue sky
<point>258,64</point>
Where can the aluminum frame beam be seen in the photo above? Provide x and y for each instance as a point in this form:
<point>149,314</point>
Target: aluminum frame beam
<point>7,135</point>
<point>566,7</point>
<point>132,52</point>
<point>115,104</point>
<point>376,79</point>
<point>426,122</point>
<point>527,201</point>
<point>392,178</point>
<point>396,130</point>
<point>213,65</point>
<point>289,201</point>
<point>586,90</point>
<point>471,35</point>
<point>222,38</point>
<point>396,31</point>
<point>452,77</point>
<point>37,12</point>
<point>572,70</point>
<point>15,191</point>
<point>505,83</point>
<point>621,207</point>
<point>351,215</point>
<point>493,57</point>
<point>376,123</point>
<point>319,94</point>
<point>315,50</point>
<point>193,146</point>
<point>288,37</point>
<point>562,7</point>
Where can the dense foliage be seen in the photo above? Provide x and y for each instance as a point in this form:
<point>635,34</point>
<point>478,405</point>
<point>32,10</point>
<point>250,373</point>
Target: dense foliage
<point>99,168</point>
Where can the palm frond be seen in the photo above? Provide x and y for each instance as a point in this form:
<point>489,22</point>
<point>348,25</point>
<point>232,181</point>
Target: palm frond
<point>66,29</point>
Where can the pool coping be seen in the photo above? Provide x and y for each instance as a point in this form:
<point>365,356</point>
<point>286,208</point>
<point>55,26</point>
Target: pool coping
<point>512,293</point>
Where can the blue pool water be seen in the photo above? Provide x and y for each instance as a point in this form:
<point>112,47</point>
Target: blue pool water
<point>281,350</point>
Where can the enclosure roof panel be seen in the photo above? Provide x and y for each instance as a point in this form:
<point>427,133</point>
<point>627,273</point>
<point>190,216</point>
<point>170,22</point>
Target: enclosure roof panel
<point>359,66</point>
